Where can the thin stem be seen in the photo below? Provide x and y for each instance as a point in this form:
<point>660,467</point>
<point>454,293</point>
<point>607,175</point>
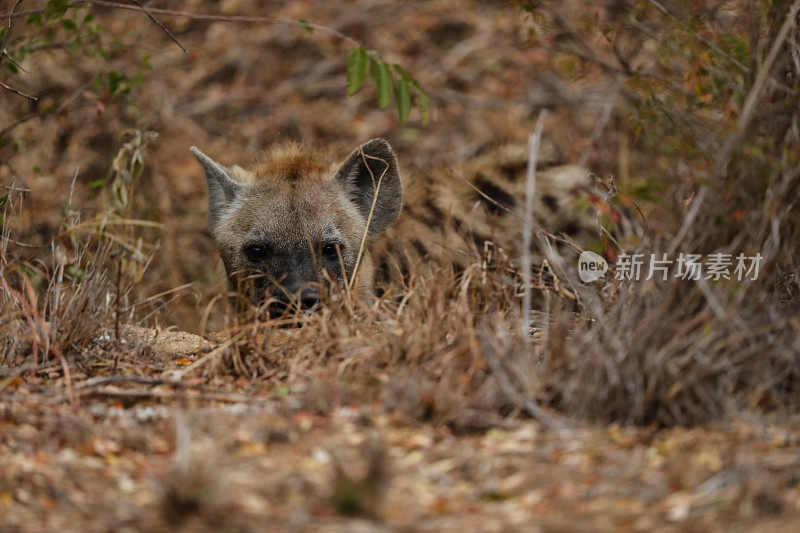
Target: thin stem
<point>527,228</point>
<point>199,16</point>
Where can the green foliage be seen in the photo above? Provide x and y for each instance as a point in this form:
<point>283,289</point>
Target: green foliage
<point>55,11</point>
<point>403,100</point>
<point>386,79</point>
<point>116,82</point>
<point>306,26</point>
<point>381,76</point>
<point>356,69</point>
<point>71,27</point>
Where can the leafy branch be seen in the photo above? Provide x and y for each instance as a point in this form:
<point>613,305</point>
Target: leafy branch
<point>391,81</point>
<point>387,80</point>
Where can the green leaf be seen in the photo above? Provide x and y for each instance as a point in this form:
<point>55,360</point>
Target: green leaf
<point>75,45</point>
<point>36,20</point>
<point>401,71</point>
<point>374,66</point>
<point>403,100</point>
<point>69,25</point>
<point>54,10</point>
<point>422,102</point>
<point>115,81</point>
<point>93,29</point>
<point>306,26</point>
<point>383,87</point>
<point>356,69</point>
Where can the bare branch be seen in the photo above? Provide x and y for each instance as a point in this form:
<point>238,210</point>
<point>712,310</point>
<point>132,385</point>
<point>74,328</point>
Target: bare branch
<point>201,16</point>
<point>7,38</point>
<point>10,18</point>
<point>163,28</point>
<point>749,104</point>
<point>4,53</point>
<point>8,129</point>
<point>15,91</point>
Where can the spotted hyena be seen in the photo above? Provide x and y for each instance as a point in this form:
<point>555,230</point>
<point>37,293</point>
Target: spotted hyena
<point>295,225</point>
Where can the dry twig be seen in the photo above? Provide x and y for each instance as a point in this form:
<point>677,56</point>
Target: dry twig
<point>16,91</point>
<point>158,23</point>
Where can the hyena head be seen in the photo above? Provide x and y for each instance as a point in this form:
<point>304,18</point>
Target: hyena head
<point>295,226</point>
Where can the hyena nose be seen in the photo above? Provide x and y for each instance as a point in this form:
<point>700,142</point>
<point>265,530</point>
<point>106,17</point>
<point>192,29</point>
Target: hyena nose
<point>305,296</point>
<point>309,298</point>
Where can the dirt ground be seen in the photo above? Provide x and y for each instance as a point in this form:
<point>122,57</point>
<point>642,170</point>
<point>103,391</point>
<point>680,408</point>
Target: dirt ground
<point>150,432</point>
<point>157,449</point>
<point>159,454</point>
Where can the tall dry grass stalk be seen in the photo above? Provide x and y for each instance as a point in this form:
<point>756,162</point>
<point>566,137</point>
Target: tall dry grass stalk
<point>527,224</point>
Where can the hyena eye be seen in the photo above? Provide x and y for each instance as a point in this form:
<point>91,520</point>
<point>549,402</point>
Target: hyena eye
<point>329,251</point>
<point>256,252</point>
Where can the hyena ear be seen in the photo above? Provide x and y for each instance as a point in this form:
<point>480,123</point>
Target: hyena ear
<point>370,163</point>
<point>221,188</point>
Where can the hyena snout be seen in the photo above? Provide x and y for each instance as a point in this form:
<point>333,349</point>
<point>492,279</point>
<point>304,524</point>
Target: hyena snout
<point>286,278</point>
<point>300,294</point>
<point>290,291</point>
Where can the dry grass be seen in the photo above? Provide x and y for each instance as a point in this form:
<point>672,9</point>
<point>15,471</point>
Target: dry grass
<point>668,353</point>
<point>661,355</point>
<point>665,352</point>
<point>64,317</point>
